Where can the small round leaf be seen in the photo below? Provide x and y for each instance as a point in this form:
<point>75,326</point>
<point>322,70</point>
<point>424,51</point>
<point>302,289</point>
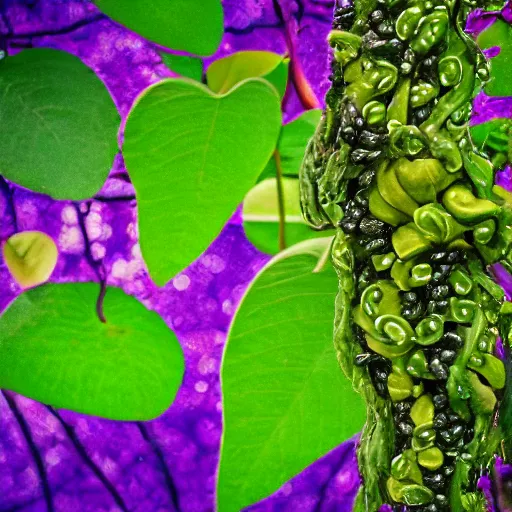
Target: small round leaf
<point>30,257</point>
<point>225,73</point>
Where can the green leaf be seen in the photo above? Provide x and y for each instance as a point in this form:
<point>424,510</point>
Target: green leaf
<point>498,34</point>
<point>193,26</point>
<point>30,257</point>
<point>261,216</point>
<point>192,156</point>
<point>59,124</point>
<point>54,349</point>
<point>285,400</point>
<point>294,139</point>
<point>189,67</point>
<point>292,144</point>
<point>494,134</point>
<point>225,73</point>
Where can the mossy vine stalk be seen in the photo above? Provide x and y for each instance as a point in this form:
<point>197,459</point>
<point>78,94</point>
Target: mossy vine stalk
<point>419,320</point>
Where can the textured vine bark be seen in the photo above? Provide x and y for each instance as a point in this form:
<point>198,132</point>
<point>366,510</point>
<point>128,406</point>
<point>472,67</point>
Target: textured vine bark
<point>419,321</point>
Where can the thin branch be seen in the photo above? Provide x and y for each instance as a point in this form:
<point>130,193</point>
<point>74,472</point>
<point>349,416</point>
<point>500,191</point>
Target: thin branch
<point>59,31</point>
<point>79,447</point>
<point>8,191</point>
<point>280,201</point>
<point>34,451</point>
<point>173,491</point>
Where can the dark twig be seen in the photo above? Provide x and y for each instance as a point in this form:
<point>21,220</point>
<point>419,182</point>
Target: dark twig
<point>79,447</point>
<point>171,486</point>
<point>34,451</point>
<point>96,266</point>
<point>59,31</point>
<point>6,189</point>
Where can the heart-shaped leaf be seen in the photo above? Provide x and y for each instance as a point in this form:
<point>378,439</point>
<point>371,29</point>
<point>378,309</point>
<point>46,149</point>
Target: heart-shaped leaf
<point>54,349</point>
<point>189,67</point>
<point>292,144</point>
<point>192,156</point>
<point>193,26</point>
<point>285,400</point>
<point>498,34</point>
<point>261,216</point>
<point>223,74</point>
<point>30,257</point>
<point>59,124</point>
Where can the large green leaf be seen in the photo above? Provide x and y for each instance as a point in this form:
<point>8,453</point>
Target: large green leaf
<point>261,216</point>
<point>225,73</point>
<point>498,34</point>
<point>59,124</point>
<point>184,65</point>
<point>54,349</point>
<point>192,156</point>
<point>30,257</point>
<point>194,26</point>
<point>285,400</point>
<point>292,144</point>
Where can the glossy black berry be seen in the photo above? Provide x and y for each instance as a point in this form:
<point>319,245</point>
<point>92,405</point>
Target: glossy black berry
<point>440,401</point>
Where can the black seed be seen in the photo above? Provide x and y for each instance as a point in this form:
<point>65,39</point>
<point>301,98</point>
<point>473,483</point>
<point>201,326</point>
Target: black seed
<point>381,375</point>
<point>358,122</point>
<point>440,401</point>
<point>410,297</point>
<point>357,213</point>
<point>421,114</point>
<point>409,56</point>
<point>454,418</point>
<point>448,470</point>
<point>375,245</point>
<point>348,226</point>
<point>381,388</point>
<point>435,481</point>
<point>405,428</point>
<point>452,257</point>
<point>366,178</point>
<point>359,155</point>
<point>431,508</point>
<point>457,432</point>
<point>440,420</point>
<point>386,29</point>
<point>441,500</point>
<point>447,356</point>
<point>441,273</point>
<point>413,312</point>
<point>440,292</point>
<point>377,16</point>
<point>440,370</point>
<point>369,139</point>
<point>403,407</point>
<point>453,339</point>
<point>371,226</point>
<point>437,256</point>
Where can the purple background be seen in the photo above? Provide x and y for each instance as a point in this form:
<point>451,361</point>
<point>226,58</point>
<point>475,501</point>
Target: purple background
<point>71,462</point>
<point>64,461</point>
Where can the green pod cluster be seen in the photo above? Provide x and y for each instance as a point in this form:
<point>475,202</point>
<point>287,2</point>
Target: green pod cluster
<point>392,167</point>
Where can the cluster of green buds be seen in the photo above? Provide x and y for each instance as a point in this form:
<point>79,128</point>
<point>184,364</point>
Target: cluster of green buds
<point>420,323</point>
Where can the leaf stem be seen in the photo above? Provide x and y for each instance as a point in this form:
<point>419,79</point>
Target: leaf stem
<point>280,201</point>
<point>99,302</point>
